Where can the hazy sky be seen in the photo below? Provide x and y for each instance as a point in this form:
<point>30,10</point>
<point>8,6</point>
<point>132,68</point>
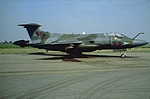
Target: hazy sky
<point>66,16</point>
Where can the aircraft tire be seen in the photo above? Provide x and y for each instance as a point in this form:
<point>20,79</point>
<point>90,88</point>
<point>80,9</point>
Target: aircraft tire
<point>123,55</point>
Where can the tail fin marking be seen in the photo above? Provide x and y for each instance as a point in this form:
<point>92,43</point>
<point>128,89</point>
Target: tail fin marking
<point>31,28</point>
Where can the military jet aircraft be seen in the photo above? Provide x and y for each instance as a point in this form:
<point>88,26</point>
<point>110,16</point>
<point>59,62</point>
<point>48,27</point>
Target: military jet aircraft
<point>75,44</point>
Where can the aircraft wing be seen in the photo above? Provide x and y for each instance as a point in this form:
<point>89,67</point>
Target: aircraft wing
<point>66,42</point>
<point>62,44</point>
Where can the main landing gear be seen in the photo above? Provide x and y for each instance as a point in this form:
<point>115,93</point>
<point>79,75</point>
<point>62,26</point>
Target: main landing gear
<point>123,55</point>
<point>76,54</point>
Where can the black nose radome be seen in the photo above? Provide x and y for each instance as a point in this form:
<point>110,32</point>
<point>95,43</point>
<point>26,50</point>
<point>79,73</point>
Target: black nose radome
<point>138,42</point>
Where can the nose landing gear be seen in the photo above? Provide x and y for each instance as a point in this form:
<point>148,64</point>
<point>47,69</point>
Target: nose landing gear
<point>123,55</point>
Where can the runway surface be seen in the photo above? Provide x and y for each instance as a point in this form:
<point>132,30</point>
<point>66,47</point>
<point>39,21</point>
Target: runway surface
<point>93,76</point>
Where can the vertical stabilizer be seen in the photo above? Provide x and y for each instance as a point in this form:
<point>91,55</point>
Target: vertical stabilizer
<point>33,31</point>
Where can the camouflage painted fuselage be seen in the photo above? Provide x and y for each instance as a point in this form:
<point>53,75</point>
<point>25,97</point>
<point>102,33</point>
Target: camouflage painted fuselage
<point>76,43</point>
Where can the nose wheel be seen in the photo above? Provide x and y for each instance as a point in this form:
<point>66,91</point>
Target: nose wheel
<point>123,55</point>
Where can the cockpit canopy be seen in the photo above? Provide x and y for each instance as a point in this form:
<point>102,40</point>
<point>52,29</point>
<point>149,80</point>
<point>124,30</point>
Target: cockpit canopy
<point>115,34</point>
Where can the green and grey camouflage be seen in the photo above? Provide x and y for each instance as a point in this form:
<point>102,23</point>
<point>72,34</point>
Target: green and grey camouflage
<point>75,44</point>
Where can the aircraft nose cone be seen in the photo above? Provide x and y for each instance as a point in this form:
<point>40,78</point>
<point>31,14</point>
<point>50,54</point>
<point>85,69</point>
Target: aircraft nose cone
<point>137,42</point>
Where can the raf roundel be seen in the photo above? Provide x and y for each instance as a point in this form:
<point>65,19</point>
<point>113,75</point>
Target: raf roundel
<point>117,44</point>
<point>75,44</point>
